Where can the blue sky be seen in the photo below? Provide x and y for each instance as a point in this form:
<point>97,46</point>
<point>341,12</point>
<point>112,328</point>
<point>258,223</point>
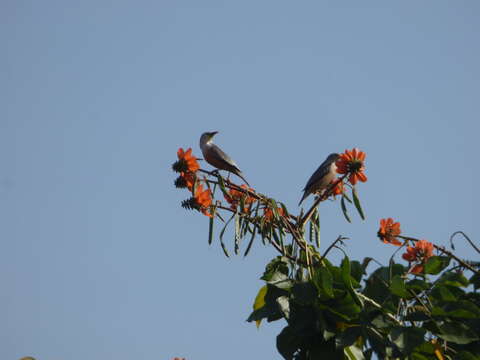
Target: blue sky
<point>99,260</point>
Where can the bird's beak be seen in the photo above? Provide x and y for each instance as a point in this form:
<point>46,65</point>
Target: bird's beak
<point>213,133</point>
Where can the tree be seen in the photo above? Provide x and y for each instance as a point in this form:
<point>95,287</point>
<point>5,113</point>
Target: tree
<point>426,308</point>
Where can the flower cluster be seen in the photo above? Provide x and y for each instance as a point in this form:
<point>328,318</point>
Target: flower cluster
<point>234,198</point>
<point>187,165</point>
<point>269,215</point>
<point>203,199</point>
<point>388,232</point>
<point>338,189</point>
<point>418,255</point>
<point>352,162</point>
<point>186,161</point>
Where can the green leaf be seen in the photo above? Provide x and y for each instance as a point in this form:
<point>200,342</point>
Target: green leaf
<point>354,353</point>
<point>427,348</point>
<point>356,201</point>
<point>237,233</point>
<point>436,264</point>
<point>475,280</point>
<point>304,293</point>
<point>310,232</point>
<point>407,338</point>
<point>266,305</point>
<point>465,355</point>
<point>279,264</point>
<point>380,321</point>
<point>417,313</point>
<point>418,285</point>
<point>458,309</point>
<point>357,270</point>
<point>324,350</point>
<point>347,280</point>
<point>453,279</point>
<point>250,243</point>
<point>344,209</point>
<point>458,333</point>
<point>397,287</point>
<point>242,202</point>
<point>221,183</point>
<point>210,229</point>
<point>287,343</point>
<point>260,302</point>
<point>376,340</point>
<point>342,308</point>
<point>278,239</point>
<point>324,281</point>
<point>276,215</point>
<point>349,336</point>
<point>224,248</point>
<point>377,286</point>
<point>441,292</point>
<point>280,281</point>
<point>262,229</point>
<point>317,230</point>
<point>276,273</point>
<point>221,236</point>
<point>253,232</point>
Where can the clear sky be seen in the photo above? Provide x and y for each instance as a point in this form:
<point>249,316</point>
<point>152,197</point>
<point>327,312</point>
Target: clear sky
<point>99,261</point>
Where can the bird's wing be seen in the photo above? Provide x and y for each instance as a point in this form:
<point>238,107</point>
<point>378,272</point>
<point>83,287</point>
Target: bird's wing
<point>322,170</point>
<point>221,160</point>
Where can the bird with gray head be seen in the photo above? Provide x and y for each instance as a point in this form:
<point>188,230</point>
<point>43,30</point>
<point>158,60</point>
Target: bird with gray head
<point>216,157</point>
<point>320,179</point>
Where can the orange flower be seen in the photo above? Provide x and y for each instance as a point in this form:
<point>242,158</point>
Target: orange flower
<point>339,188</point>
<point>388,232</point>
<point>186,180</point>
<point>416,269</point>
<point>268,213</point>
<point>186,161</point>
<point>352,162</point>
<point>419,254</point>
<point>203,199</point>
<point>234,196</point>
<point>189,178</point>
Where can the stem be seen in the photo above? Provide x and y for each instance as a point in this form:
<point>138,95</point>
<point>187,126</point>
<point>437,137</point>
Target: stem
<point>466,237</point>
<point>339,238</point>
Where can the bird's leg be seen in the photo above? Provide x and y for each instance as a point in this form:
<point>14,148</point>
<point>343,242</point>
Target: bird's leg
<point>216,172</point>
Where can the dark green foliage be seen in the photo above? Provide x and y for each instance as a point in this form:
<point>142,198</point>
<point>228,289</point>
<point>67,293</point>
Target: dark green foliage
<point>337,314</point>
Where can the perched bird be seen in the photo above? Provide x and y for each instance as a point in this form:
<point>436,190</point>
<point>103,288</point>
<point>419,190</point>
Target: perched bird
<point>216,157</point>
<point>320,179</point>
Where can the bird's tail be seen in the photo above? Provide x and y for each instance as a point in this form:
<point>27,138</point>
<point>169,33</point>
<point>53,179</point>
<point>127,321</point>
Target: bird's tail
<point>240,175</point>
<point>305,194</point>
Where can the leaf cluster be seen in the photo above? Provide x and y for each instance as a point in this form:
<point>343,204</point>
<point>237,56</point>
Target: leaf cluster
<point>340,313</point>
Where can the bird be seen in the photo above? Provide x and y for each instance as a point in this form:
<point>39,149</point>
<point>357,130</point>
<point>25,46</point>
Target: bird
<point>216,157</point>
<point>322,177</point>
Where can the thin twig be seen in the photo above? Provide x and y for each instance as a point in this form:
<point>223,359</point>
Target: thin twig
<point>466,237</point>
<point>339,238</point>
